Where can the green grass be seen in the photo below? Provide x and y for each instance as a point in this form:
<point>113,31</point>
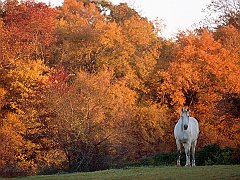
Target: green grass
<point>148,173</point>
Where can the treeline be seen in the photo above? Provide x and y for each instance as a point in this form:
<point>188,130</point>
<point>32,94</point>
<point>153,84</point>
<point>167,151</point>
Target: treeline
<point>91,85</point>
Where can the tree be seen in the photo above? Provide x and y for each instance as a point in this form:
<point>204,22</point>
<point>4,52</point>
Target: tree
<point>92,43</point>
<point>223,13</point>
<point>31,28</point>
<point>88,115</point>
<point>200,76</point>
<point>151,131</point>
<point>122,12</point>
<point>22,77</point>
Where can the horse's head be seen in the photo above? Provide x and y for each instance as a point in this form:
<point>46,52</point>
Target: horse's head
<point>185,118</point>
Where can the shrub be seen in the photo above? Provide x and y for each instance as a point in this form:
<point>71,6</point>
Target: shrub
<point>209,155</point>
<point>214,155</point>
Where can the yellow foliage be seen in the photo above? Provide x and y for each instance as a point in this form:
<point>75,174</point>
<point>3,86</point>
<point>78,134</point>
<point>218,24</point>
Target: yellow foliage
<point>2,95</point>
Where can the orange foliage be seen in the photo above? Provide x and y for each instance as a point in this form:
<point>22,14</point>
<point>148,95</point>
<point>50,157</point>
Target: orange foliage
<point>90,85</point>
<point>201,75</point>
<point>30,26</point>
<point>90,114</point>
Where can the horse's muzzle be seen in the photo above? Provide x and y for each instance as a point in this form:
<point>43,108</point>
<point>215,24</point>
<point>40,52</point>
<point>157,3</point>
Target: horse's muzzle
<point>185,126</point>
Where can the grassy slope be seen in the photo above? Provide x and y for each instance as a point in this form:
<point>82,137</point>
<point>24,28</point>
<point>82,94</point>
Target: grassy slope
<point>201,172</point>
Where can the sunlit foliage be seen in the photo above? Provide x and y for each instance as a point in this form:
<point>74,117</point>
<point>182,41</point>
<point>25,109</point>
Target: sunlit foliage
<point>90,85</point>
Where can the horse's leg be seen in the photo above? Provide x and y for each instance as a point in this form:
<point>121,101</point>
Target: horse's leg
<point>178,152</point>
<point>193,152</point>
<point>187,147</point>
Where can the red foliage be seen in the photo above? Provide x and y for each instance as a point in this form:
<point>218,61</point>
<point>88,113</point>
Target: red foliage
<point>58,79</point>
<point>30,22</point>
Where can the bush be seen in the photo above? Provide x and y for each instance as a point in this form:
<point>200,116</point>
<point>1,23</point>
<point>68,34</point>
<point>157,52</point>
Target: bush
<point>165,159</point>
<point>208,155</point>
<point>214,155</point>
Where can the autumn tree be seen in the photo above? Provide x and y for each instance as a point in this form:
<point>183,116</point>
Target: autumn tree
<point>200,76</point>
<point>151,131</point>
<point>19,83</point>
<point>20,80</point>
<point>89,117</point>
<point>90,40</point>
<point>223,13</point>
<point>121,12</point>
<point>22,77</point>
<point>91,85</point>
<point>31,28</point>
<point>77,35</point>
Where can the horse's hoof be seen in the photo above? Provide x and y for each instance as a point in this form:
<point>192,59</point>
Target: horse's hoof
<point>187,165</point>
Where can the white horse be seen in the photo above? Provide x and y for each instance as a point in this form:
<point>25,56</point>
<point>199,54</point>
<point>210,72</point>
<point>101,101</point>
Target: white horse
<point>186,132</point>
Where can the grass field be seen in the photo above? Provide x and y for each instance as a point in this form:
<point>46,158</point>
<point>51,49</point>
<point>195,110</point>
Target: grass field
<point>164,172</point>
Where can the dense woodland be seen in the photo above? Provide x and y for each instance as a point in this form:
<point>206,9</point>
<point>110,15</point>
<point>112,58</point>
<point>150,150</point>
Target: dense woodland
<point>91,85</point>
